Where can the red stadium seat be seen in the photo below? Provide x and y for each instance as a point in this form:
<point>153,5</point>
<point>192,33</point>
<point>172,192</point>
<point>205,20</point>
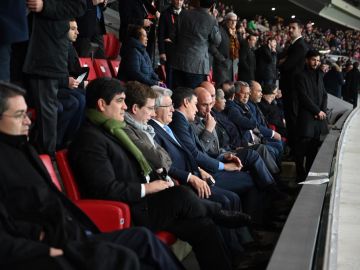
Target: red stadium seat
<point>114,67</point>
<point>107,215</point>
<point>111,46</point>
<point>73,192</point>
<point>102,68</point>
<point>87,62</point>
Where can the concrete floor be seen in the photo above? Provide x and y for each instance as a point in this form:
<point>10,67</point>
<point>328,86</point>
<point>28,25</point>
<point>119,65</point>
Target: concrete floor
<point>348,248</point>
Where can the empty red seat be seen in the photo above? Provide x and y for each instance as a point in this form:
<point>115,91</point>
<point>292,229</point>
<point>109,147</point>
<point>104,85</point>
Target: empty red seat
<point>114,67</point>
<point>87,62</point>
<point>102,68</point>
<point>111,46</point>
<point>107,215</point>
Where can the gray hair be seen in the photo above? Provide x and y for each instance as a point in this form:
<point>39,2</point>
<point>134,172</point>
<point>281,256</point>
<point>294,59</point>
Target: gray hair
<point>239,84</point>
<point>161,92</point>
<point>218,93</point>
<point>229,15</point>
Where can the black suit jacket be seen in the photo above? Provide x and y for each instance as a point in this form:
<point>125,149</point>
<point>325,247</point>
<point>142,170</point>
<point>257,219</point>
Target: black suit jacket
<point>183,161</point>
<point>312,98</point>
<point>27,192</point>
<point>103,168</point>
<point>265,64</point>
<point>294,63</point>
<point>87,22</point>
<point>247,62</point>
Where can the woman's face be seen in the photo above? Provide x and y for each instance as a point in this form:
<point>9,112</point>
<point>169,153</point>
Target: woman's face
<point>143,37</point>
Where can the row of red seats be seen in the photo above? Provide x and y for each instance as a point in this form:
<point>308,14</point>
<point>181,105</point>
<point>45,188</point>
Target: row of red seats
<point>107,215</point>
<point>99,68</point>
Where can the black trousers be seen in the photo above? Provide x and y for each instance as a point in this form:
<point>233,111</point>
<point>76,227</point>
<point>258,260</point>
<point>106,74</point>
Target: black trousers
<point>179,211</point>
<point>305,148</point>
<point>44,95</point>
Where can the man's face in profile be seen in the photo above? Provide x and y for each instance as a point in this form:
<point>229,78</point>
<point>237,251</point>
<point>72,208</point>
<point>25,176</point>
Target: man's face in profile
<point>15,121</point>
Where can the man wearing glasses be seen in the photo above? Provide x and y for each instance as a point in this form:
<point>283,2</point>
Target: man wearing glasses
<point>226,55</point>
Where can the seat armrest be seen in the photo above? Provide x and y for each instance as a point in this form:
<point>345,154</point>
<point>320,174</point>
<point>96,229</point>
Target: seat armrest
<point>107,215</point>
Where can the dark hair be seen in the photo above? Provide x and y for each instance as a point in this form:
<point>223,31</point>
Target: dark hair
<point>102,88</point>
<point>138,93</point>
<point>312,53</point>
<point>270,39</point>
<point>297,21</point>
<point>268,89</point>
<point>356,65</point>
<point>251,34</point>
<point>134,31</point>
<point>206,3</point>
<point>8,90</point>
<point>180,94</point>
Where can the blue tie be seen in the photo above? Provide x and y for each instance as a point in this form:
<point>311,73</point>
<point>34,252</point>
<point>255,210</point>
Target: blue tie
<point>169,131</point>
<point>98,13</point>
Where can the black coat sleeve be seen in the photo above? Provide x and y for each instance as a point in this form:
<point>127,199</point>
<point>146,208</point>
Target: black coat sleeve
<point>63,9</point>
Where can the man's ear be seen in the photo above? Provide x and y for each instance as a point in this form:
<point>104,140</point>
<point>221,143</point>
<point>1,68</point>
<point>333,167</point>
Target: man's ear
<point>101,105</point>
<point>134,108</point>
<point>186,102</point>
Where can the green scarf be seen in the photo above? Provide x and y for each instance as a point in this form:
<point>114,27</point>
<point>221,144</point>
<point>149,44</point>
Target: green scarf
<point>116,129</point>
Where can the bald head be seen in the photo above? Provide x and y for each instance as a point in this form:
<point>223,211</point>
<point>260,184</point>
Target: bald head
<point>210,88</point>
<point>255,92</point>
<point>205,102</point>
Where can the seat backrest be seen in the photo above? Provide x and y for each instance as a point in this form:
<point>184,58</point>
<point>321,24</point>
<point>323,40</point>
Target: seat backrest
<point>111,46</point>
<point>102,68</point>
<point>50,168</point>
<point>114,67</point>
<point>87,62</point>
<point>67,175</point>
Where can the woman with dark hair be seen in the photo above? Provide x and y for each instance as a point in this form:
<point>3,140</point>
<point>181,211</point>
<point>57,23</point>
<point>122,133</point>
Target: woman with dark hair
<point>135,62</point>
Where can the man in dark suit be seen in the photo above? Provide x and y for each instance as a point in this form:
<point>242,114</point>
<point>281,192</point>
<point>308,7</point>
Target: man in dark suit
<point>266,60</point>
<point>272,137</point>
<point>108,165</point>
<point>40,226</point>
<point>91,28</point>
<point>239,113</point>
<point>195,30</point>
<point>204,126</point>
<point>184,167</point>
<point>229,136</point>
<point>166,30</point>
<point>292,63</point>
<point>247,59</point>
<point>226,170</point>
<point>311,117</point>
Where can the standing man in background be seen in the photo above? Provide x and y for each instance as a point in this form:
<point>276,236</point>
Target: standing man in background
<point>46,62</point>
<point>195,30</point>
<point>292,63</point>
<point>311,117</point>
<point>166,29</point>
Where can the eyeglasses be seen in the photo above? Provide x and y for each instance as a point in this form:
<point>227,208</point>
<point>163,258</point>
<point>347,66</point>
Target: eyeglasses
<point>19,116</point>
<point>166,106</point>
